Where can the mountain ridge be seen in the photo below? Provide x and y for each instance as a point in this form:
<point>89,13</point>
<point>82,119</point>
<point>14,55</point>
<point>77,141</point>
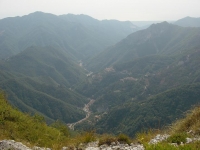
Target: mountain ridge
<point>41,77</point>
<point>43,29</point>
<point>162,38</point>
<point>188,22</point>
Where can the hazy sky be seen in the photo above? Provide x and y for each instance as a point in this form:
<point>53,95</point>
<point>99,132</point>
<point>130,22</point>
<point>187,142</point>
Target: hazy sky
<point>134,10</point>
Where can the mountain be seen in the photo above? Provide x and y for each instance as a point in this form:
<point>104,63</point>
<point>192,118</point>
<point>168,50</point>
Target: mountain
<point>145,81</point>
<point>161,39</point>
<point>148,92</point>
<point>144,24</point>
<point>155,112</point>
<point>68,32</point>
<point>39,56</point>
<point>39,80</point>
<point>188,22</point>
<point>46,62</point>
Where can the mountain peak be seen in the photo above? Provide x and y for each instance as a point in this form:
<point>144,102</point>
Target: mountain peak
<point>188,22</point>
<point>165,23</point>
<point>40,13</point>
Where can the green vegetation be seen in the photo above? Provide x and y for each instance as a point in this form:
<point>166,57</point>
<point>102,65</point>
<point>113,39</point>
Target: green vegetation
<point>107,139</point>
<point>155,91</point>
<point>166,146</point>
<point>38,80</point>
<point>177,138</point>
<point>33,131</point>
<point>177,133</point>
<point>39,60</point>
<point>190,123</point>
<point>135,116</point>
<point>148,80</point>
<point>80,36</point>
<point>122,138</point>
<point>21,127</point>
<point>158,39</point>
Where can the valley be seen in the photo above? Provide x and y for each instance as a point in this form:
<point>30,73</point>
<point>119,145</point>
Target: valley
<point>104,75</point>
<point>86,109</point>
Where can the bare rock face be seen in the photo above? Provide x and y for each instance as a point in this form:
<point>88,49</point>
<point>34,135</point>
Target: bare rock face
<point>159,138</point>
<point>114,146</point>
<point>11,144</point>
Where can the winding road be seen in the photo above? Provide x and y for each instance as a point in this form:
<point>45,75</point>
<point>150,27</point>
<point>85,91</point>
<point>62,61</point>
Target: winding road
<point>88,113</point>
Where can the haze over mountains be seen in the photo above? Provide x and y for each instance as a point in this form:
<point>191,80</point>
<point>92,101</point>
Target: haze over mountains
<point>79,35</point>
<point>188,22</point>
<point>162,38</point>
<point>141,78</point>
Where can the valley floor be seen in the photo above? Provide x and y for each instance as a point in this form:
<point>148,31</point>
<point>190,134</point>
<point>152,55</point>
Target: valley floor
<point>88,113</point>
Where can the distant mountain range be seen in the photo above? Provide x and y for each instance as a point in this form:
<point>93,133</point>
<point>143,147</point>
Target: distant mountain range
<point>52,65</point>
<point>162,38</point>
<point>39,79</point>
<point>39,56</point>
<point>79,35</point>
<point>188,22</point>
<point>184,22</point>
<point>144,81</point>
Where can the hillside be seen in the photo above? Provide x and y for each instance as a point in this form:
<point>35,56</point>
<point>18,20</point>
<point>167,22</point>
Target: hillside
<point>39,80</point>
<point>33,132</point>
<point>159,39</point>
<point>78,39</point>
<point>143,91</point>
<point>155,112</point>
<point>146,80</point>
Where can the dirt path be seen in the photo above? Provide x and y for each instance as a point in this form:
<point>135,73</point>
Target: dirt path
<point>88,113</point>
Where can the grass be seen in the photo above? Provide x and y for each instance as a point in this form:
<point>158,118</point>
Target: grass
<point>33,131</point>
<point>107,139</point>
<point>122,138</point>
<point>190,123</point>
<point>178,138</point>
<point>179,131</point>
<point>18,126</point>
<point>146,136</point>
<point>167,146</point>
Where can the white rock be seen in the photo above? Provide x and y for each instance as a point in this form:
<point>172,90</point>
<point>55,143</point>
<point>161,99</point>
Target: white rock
<point>11,144</point>
<point>188,140</point>
<point>158,138</point>
<point>65,148</point>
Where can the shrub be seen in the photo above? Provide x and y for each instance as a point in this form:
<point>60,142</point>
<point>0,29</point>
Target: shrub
<point>190,122</point>
<point>122,138</point>
<point>107,139</point>
<point>177,138</point>
<point>160,146</point>
<point>61,127</point>
<point>88,137</point>
<point>146,136</point>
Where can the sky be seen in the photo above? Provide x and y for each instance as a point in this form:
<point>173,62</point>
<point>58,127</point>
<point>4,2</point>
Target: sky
<point>132,10</point>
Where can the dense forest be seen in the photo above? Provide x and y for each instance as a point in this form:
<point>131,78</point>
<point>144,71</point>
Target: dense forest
<point>138,78</point>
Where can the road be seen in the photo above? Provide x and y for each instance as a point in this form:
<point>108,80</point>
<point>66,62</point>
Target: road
<point>88,113</point>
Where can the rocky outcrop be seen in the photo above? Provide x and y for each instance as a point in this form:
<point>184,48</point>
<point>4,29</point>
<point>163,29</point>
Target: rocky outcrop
<point>114,146</point>
<point>12,145</point>
<point>159,138</point>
